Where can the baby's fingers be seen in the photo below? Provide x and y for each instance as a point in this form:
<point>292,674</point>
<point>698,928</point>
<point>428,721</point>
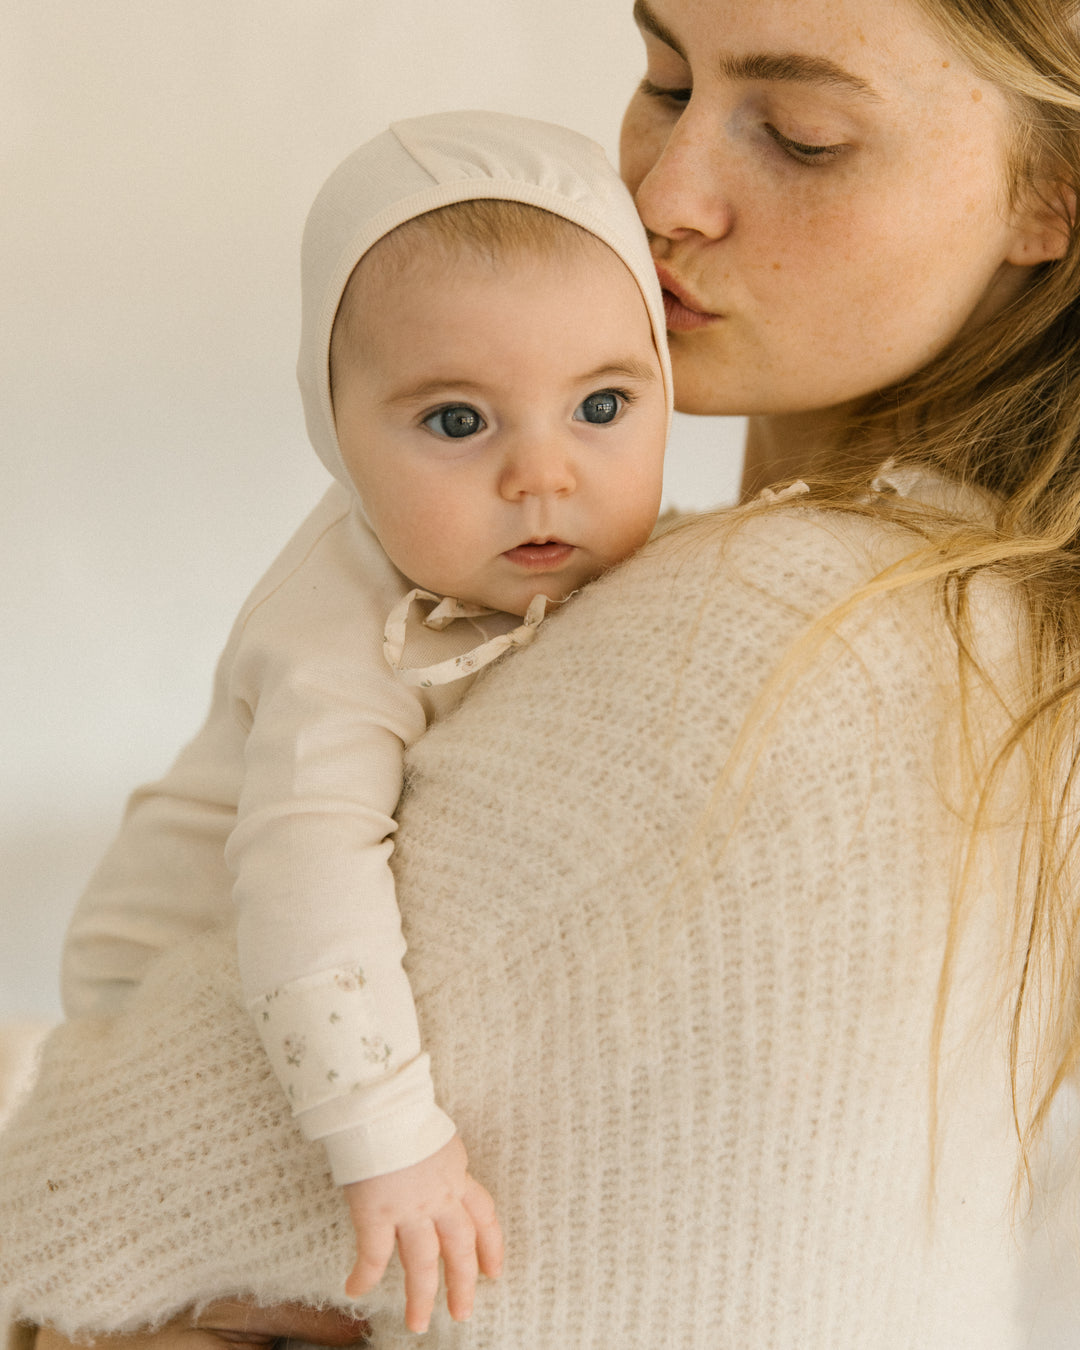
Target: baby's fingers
<point>373,1251</point>
<point>489,1238</point>
<point>418,1248</point>
<point>457,1237</point>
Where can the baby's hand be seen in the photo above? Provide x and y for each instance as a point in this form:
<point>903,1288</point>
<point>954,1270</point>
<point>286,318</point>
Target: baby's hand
<point>430,1209</point>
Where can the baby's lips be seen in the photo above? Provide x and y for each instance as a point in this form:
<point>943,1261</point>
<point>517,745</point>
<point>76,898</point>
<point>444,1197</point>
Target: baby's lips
<point>549,554</point>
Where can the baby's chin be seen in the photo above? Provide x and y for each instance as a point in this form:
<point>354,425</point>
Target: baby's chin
<point>556,590</point>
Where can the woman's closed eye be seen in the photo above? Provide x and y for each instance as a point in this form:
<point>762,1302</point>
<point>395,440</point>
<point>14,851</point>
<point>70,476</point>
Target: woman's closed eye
<point>804,153</point>
<point>676,95</point>
<point>454,421</point>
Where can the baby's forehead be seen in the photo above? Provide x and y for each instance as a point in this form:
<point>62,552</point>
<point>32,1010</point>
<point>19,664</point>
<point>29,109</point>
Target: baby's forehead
<point>493,235</point>
<point>494,229</point>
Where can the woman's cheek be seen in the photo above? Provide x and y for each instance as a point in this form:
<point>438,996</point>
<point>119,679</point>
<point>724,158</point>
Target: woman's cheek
<point>641,142</point>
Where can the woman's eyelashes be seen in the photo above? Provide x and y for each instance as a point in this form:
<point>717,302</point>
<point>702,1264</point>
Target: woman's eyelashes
<point>803,152</point>
<point>677,95</point>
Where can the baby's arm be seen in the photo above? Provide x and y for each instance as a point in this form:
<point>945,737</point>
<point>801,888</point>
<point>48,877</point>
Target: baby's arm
<point>344,1039</point>
<point>320,944</point>
<point>164,877</point>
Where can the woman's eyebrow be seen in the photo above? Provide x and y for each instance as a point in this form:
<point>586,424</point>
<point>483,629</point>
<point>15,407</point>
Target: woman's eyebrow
<point>797,68</point>
<point>791,67</point>
<point>647,21</point>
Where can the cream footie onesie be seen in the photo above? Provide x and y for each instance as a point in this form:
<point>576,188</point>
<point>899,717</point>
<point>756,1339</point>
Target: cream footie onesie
<point>282,807</point>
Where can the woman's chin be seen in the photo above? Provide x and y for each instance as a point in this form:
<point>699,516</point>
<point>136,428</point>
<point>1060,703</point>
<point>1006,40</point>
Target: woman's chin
<point>706,384</point>
<point>698,396</point>
<point>711,388</point>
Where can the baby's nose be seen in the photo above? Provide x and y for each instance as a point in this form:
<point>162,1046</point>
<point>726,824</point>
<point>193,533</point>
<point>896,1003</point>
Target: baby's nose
<point>538,468</point>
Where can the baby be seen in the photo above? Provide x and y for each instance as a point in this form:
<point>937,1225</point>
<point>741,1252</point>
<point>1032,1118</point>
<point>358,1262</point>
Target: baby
<point>484,371</point>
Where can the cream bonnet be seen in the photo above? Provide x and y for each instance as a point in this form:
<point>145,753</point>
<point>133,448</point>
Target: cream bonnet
<point>425,163</point>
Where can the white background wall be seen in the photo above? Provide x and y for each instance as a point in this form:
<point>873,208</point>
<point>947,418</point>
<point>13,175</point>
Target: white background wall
<point>156,164</point>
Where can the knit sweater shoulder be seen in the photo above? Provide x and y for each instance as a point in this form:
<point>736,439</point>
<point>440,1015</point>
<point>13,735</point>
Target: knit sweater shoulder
<point>678,986</point>
<point>682,990</point>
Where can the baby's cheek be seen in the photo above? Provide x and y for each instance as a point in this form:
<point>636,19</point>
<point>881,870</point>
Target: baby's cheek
<point>635,530</point>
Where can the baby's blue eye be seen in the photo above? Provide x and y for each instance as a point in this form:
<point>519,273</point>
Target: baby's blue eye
<point>600,407</point>
<point>456,420</point>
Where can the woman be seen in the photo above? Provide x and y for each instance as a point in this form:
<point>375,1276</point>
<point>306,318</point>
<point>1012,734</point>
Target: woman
<point>754,991</point>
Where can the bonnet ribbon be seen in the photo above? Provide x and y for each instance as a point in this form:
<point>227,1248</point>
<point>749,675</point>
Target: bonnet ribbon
<point>796,489</point>
<point>445,612</point>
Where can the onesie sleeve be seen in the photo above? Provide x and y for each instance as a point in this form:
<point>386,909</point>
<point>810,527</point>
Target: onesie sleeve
<point>163,878</point>
<point>318,929</point>
<point>280,812</point>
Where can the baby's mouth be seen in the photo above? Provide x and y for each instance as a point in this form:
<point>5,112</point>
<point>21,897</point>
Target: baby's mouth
<point>540,555</point>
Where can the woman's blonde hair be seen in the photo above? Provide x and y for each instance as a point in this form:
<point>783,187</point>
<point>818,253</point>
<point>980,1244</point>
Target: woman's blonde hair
<point>999,410</point>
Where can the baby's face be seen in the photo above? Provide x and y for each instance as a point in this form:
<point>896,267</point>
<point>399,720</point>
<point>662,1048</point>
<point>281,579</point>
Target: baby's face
<point>504,421</point>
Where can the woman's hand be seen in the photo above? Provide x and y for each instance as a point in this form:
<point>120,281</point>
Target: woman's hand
<point>233,1324</point>
<point>432,1209</point>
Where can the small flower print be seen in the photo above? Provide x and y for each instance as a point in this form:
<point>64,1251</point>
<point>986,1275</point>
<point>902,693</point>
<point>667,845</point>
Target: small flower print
<point>295,1048</point>
<point>350,980</point>
<point>376,1050</point>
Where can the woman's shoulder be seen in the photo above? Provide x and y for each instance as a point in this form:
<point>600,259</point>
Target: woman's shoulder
<point>790,548</point>
<point>791,555</point>
<point>739,590</point>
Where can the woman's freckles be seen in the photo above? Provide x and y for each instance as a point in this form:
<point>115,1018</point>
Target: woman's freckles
<point>897,232</point>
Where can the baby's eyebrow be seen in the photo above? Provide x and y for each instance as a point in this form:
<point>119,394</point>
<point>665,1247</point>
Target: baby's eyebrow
<point>628,369</point>
<point>417,393</point>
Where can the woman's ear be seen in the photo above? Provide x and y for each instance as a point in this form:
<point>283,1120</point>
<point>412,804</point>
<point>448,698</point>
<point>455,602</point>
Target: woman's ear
<point>1044,224</point>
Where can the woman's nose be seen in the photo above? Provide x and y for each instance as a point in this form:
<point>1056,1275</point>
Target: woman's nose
<point>536,467</point>
<point>685,191</point>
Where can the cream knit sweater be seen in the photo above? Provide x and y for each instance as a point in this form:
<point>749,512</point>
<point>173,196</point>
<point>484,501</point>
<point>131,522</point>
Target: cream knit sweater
<point>684,1028</point>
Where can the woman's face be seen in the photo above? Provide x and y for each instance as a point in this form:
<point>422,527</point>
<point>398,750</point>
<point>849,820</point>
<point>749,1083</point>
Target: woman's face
<point>826,188</point>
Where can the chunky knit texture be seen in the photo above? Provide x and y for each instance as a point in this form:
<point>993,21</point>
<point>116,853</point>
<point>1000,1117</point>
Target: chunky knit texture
<point>683,1021</point>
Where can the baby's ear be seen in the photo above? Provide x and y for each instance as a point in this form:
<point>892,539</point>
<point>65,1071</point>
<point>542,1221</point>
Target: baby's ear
<point>1044,223</point>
